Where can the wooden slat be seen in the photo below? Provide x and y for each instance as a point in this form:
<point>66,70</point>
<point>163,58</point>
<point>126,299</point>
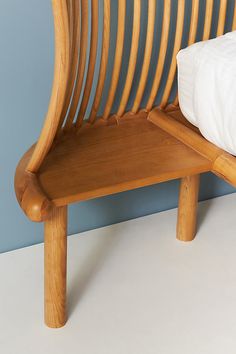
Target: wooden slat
<point>70,9</point>
<point>177,46</point>
<point>192,33</point>
<point>194,22</point>
<point>81,64</point>
<point>61,75</point>
<point>104,60</point>
<point>118,57</point>
<point>162,54</point>
<point>74,43</point>
<point>132,58</point>
<point>91,64</point>
<point>147,55</point>
<point>222,17</point>
<point>208,19</point>
<point>234,18</point>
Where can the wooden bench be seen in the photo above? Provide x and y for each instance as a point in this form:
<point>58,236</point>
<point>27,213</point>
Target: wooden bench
<point>82,155</point>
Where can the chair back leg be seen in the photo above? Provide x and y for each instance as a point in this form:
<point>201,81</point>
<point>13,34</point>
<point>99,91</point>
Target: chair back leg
<point>187,212</point>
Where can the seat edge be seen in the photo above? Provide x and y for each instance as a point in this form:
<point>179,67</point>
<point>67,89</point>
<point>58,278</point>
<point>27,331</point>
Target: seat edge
<point>31,198</point>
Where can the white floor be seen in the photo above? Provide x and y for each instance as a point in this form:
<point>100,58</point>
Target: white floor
<point>132,288</point>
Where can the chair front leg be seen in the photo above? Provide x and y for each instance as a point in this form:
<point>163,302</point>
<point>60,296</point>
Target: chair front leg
<point>55,257</point>
<point>187,212</point>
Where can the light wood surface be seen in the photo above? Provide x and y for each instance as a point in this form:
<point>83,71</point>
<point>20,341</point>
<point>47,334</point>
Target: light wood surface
<point>108,159</point>
<point>74,22</point>
<point>104,60</point>
<point>147,55</point>
<point>132,58</point>
<point>234,19</point>
<point>81,65</point>
<point>177,46</point>
<point>118,57</point>
<point>76,159</point>
<point>194,22</point>
<point>55,255</point>
<point>91,64</point>
<point>208,19</point>
<point>187,211</point>
<point>60,82</point>
<point>222,163</point>
<point>222,17</point>
<point>162,54</point>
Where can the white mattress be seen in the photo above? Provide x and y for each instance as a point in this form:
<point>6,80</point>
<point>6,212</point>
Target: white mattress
<point>207,88</point>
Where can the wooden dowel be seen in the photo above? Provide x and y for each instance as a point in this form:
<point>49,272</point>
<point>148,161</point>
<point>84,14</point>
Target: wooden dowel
<point>222,17</point>
<point>81,64</point>
<point>132,58</point>
<point>187,211</point>
<point>104,60</point>
<point>194,22</point>
<point>234,18</point>
<point>118,57</point>
<point>208,19</point>
<point>91,64</point>
<point>147,55</point>
<point>177,46</point>
<point>75,43</point>
<point>55,254</point>
<point>162,54</point>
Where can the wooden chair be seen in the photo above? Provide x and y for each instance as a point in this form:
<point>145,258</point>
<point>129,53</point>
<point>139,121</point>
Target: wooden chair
<point>76,159</point>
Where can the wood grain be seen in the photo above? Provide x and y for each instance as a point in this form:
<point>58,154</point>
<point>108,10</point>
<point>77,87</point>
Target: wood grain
<point>187,211</point>
<point>222,163</point>
<point>208,19</point>
<point>61,75</point>
<point>177,46</point>
<point>81,65</point>
<point>102,160</point>
<point>91,64</point>
<point>55,254</point>
<point>147,55</point>
<point>132,58</point>
<point>74,160</point>
<point>194,22</point>
<point>162,54</point>
<point>104,60</point>
<point>74,55</point>
<point>118,57</point>
<point>222,17</point>
<point>234,18</point>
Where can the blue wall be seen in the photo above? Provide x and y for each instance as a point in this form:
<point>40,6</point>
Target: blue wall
<point>26,69</point>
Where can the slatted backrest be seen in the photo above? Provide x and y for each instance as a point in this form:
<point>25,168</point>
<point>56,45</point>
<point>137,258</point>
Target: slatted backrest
<point>85,86</point>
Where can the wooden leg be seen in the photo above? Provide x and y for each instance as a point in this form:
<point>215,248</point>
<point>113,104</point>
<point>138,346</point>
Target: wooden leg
<point>187,213</point>
<point>55,254</point>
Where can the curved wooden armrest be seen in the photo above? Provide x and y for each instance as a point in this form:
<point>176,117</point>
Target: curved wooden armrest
<point>174,123</point>
<point>29,193</point>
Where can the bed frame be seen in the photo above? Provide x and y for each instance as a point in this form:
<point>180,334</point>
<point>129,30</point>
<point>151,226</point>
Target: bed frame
<point>82,154</point>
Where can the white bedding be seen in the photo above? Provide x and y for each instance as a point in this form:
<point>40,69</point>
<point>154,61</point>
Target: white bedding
<point>207,88</point>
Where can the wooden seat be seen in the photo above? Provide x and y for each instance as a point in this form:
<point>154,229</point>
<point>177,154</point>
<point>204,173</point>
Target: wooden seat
<point>109,159</point>
<point>104,136</point>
